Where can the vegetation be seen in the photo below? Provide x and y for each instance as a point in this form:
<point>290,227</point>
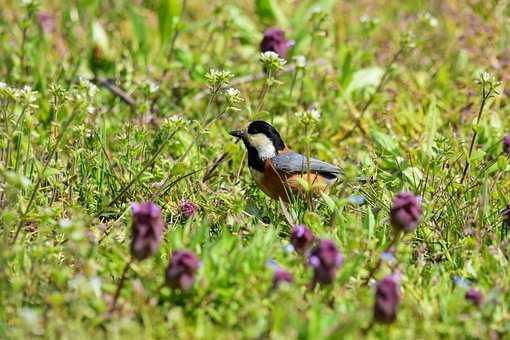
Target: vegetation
<point>108,103</point>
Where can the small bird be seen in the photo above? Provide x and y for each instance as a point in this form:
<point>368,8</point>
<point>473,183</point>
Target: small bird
<point>278,170</point>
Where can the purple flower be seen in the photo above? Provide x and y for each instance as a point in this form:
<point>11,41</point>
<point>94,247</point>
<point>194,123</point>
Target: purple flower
<point>281,276</point>
<point>406,211</point>
<point>47,22</point>
<point>387,299</point>
<point>182,269</point>
<point>506,216</point>
<point>274,40</point>
<point>506,144</point>
<point>301,238</point>
<point>147,229</point>
<point>188,208</point>
<point>475,296</point>
<point>325,259</point>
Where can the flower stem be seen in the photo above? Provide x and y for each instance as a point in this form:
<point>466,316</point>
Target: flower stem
<point>394,242</point>
<point>120,285</point>
<point>485,96</point>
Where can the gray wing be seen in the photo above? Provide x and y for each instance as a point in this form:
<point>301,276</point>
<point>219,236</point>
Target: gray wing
<point>293,162</point>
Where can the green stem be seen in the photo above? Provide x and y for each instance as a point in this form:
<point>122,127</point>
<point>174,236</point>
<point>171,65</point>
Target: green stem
<point>41,174</point>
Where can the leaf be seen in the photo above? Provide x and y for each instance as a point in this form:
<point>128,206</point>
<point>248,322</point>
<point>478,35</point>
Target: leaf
<point>364,78</point>
<point>245,26</point>
<point>413,175</point>
<point>385,142</point>
<point>169,12</point>
<point>270,12</point>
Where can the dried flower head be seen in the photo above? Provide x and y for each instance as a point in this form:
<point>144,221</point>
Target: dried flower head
<point>274,40</point>
<point>188,208</point>
<point>387,299</point>
<point>406,211</point>
<point>147,229</point>
<point>281,276</point>
<point>182,269</point>
<point>325,259</point>
<point>301,238</point>
<point>506,144</point>
<point>475,296</point>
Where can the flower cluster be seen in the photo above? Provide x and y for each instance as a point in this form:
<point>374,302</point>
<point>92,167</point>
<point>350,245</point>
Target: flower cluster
<point>188,209</point>
<point>182,269</point>
<point>387,299</point>
<point>147,229</point>
<point>325,259</point>
<point>301,238</point>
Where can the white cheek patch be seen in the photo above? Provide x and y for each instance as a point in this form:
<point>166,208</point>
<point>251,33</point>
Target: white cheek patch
<point>263,144</point>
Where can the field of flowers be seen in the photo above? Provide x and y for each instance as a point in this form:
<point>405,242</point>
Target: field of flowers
<point>127,211</point>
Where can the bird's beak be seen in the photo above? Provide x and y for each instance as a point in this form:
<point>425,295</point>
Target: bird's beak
<point>237,133</point>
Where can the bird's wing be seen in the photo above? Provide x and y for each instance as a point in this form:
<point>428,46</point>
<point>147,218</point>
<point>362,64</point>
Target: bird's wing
<point>292,162</point>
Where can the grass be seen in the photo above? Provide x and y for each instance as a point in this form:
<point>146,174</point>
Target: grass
<point>400,107</point>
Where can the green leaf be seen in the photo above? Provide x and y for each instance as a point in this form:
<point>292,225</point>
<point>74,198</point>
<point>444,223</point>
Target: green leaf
<point>365,78</point>
<point>431,126</point>
<point>385,142</point>
<point>169,12</point>
<point>269,12</point>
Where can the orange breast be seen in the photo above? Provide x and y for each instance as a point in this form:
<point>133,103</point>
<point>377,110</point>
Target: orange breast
<point>276,184</point>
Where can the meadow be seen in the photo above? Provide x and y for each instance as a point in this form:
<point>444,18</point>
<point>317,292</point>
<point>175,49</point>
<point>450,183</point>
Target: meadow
<point>127,211</point>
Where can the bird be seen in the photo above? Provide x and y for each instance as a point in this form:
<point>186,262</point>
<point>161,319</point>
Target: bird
<point>277,170</point>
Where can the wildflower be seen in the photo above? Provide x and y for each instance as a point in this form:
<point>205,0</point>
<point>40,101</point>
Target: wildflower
<point>271,62</point>
<point>46,21</point>
<point>274,40</point>
<point>301,238</point>
<point>182,269</point>
<point>281,276</point>
<point>406,211</point>
<point>325,259</point>
<point>475,296</point>
<point>188,208</point>
<point>147,229</point>
<point>387,299</point>
<point>506,144</point>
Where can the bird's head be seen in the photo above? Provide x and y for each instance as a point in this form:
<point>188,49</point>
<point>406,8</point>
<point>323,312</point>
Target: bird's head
<point>262,138</point>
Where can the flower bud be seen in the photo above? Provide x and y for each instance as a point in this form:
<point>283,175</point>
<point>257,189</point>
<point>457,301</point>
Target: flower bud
<point>506,144</point>
<point>188,208</point>
<point>325,259</point>
<point>406,211</point>
<point>182,269</point>
<point>281,276</point>
<point>475,296</point>
<point>147,229</point>
<point>387,299</point>
<point>301,238</point>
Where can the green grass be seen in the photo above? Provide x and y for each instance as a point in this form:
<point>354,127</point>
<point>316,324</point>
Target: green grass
<point>397,109</point>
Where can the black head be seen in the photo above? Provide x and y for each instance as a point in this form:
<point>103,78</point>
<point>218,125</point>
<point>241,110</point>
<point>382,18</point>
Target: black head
<point>261,140</point>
